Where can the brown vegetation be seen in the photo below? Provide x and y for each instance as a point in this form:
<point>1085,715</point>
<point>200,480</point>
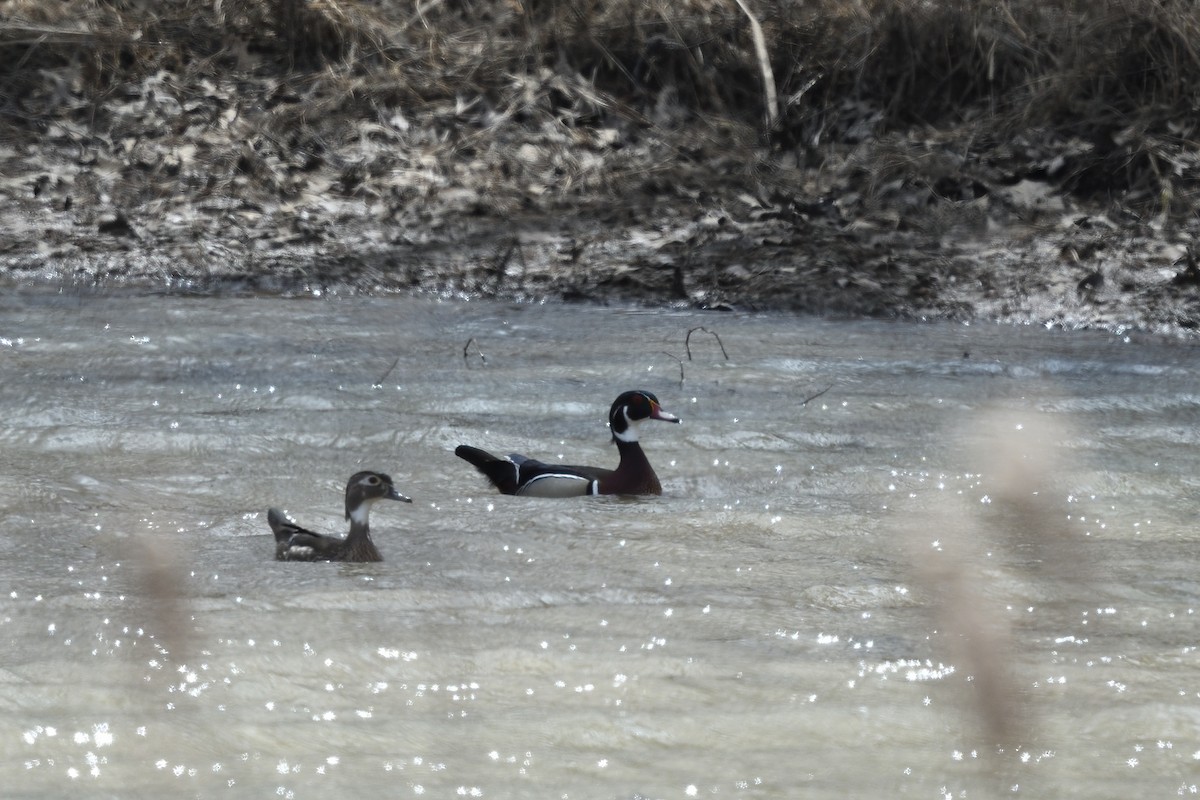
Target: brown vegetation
<point>592,100</point>
<point>1121,75</point>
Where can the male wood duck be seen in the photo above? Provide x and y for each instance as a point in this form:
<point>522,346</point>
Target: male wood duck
<point>518,474</point>
<point>293,543</point>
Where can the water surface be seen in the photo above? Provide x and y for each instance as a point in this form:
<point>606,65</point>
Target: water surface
<point>766,628</point>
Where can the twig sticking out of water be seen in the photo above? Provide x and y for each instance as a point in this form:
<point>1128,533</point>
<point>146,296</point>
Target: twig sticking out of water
<point>680,360</point>
<point>687,342</point>
<point>379,383</point>
<point>467,354</point>
<point>812,397</point>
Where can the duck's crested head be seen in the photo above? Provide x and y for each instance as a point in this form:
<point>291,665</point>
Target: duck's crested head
<point>630,409</point>
<point>364,488</point>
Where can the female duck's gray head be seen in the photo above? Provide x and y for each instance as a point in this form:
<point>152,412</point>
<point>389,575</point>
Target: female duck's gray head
<point>363,489</point>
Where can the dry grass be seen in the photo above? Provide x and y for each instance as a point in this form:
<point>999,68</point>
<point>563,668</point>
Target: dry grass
<point>1123,74</point>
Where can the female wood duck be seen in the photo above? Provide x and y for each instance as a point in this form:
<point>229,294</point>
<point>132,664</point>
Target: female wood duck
<point>518,474</point>
<point>293,543</point>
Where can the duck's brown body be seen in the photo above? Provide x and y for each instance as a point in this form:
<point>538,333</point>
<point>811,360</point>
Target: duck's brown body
<point>293,543</point>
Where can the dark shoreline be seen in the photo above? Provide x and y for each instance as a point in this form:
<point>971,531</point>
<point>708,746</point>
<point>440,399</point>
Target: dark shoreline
<point>715,262</point>
<point>282,162</point>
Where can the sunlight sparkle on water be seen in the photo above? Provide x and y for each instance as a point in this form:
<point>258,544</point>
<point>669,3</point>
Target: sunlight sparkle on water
<point>409,641</point>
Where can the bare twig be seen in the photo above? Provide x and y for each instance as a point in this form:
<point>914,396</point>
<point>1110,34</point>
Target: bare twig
<point>764,64</point>
<point>379,383</point>
<point>687,342</point>
<point>467,348</point>
<point>680,360</point>
<point>811,397</point>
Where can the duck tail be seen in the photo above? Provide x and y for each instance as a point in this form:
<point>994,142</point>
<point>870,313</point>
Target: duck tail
<point>280,526</point>
<point>502,472</point>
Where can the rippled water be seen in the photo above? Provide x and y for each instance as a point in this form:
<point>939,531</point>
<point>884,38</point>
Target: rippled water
<point>781,623</point>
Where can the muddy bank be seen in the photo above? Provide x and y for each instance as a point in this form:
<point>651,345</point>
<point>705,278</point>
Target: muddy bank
<point>244,176</point>
<point>637,224</point>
